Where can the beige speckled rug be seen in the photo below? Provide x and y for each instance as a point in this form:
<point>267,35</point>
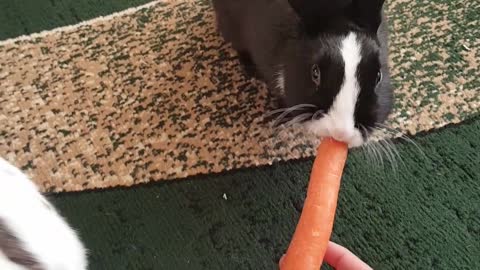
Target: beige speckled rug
<point>155,94</point>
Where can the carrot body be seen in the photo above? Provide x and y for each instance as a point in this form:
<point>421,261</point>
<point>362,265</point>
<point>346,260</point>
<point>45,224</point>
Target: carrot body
<point>311,237</point>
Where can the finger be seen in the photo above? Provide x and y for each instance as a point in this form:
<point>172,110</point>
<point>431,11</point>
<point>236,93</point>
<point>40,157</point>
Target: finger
<point>341,258</point>
<point>281,261</point>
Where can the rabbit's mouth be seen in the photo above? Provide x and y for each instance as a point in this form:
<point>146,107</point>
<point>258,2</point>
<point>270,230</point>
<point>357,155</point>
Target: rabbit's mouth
<point>327,126</point>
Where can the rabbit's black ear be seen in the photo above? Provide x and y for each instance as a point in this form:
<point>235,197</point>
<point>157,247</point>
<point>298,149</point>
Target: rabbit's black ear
<point>314,13</point>
<point>367,14</point>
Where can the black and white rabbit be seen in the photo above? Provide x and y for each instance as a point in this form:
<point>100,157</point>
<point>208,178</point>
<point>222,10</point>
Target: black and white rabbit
<point>327,60</point>
<point>33,236</point>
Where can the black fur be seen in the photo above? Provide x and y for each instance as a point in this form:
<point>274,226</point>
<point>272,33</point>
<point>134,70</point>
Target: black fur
<point>296,34</point>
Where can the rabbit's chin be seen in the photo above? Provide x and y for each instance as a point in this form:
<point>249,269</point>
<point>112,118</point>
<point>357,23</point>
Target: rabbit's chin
<point>326,127</point>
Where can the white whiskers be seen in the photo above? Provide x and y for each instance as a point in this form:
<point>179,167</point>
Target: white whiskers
<point>402,136</point>
<point>384,150</point>
<point>317,115</point>
<point>286,111</point>
<point>298,119</point>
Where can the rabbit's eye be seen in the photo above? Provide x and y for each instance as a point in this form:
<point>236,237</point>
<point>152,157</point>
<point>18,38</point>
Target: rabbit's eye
<point>316,74</point>
<point>379,78</point>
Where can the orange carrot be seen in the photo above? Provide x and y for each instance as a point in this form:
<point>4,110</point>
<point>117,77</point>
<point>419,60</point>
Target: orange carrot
<point>311,237</point>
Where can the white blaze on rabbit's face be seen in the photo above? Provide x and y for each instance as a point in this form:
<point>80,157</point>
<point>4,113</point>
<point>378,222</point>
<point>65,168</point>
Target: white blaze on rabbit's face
<point>339,121</point>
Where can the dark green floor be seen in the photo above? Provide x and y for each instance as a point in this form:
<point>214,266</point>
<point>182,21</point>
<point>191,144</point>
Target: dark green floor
<point>423,215</point>
<point>21,17</point>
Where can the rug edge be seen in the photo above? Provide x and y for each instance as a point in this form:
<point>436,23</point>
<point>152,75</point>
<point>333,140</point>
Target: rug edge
<point>65,28</point>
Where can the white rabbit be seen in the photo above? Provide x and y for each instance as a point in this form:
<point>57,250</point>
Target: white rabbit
<point>33,235</point>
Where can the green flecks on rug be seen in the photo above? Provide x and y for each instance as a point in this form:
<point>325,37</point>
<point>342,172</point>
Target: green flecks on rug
<point>423,215</point>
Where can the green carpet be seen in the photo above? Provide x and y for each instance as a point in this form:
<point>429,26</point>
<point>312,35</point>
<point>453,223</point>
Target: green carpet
<point>22,17</point>
<point>425,214</point>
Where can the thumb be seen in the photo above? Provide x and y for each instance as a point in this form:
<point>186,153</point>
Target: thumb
<point>341,258</point>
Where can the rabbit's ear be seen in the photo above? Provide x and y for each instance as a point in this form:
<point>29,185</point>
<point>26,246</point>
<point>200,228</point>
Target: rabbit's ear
<point>367,14</point>
<point>315,13</point>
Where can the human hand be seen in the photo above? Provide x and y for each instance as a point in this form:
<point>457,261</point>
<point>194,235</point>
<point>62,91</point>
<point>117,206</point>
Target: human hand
<point>341,258</point>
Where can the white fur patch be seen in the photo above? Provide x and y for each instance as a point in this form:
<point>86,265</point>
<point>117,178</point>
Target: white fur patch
<point>339,122</point>
<point>43,231</point>
<point>280,81</point>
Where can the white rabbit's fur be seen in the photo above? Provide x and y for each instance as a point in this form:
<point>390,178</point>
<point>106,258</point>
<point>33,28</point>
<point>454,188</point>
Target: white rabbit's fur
<point>32,220</point>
